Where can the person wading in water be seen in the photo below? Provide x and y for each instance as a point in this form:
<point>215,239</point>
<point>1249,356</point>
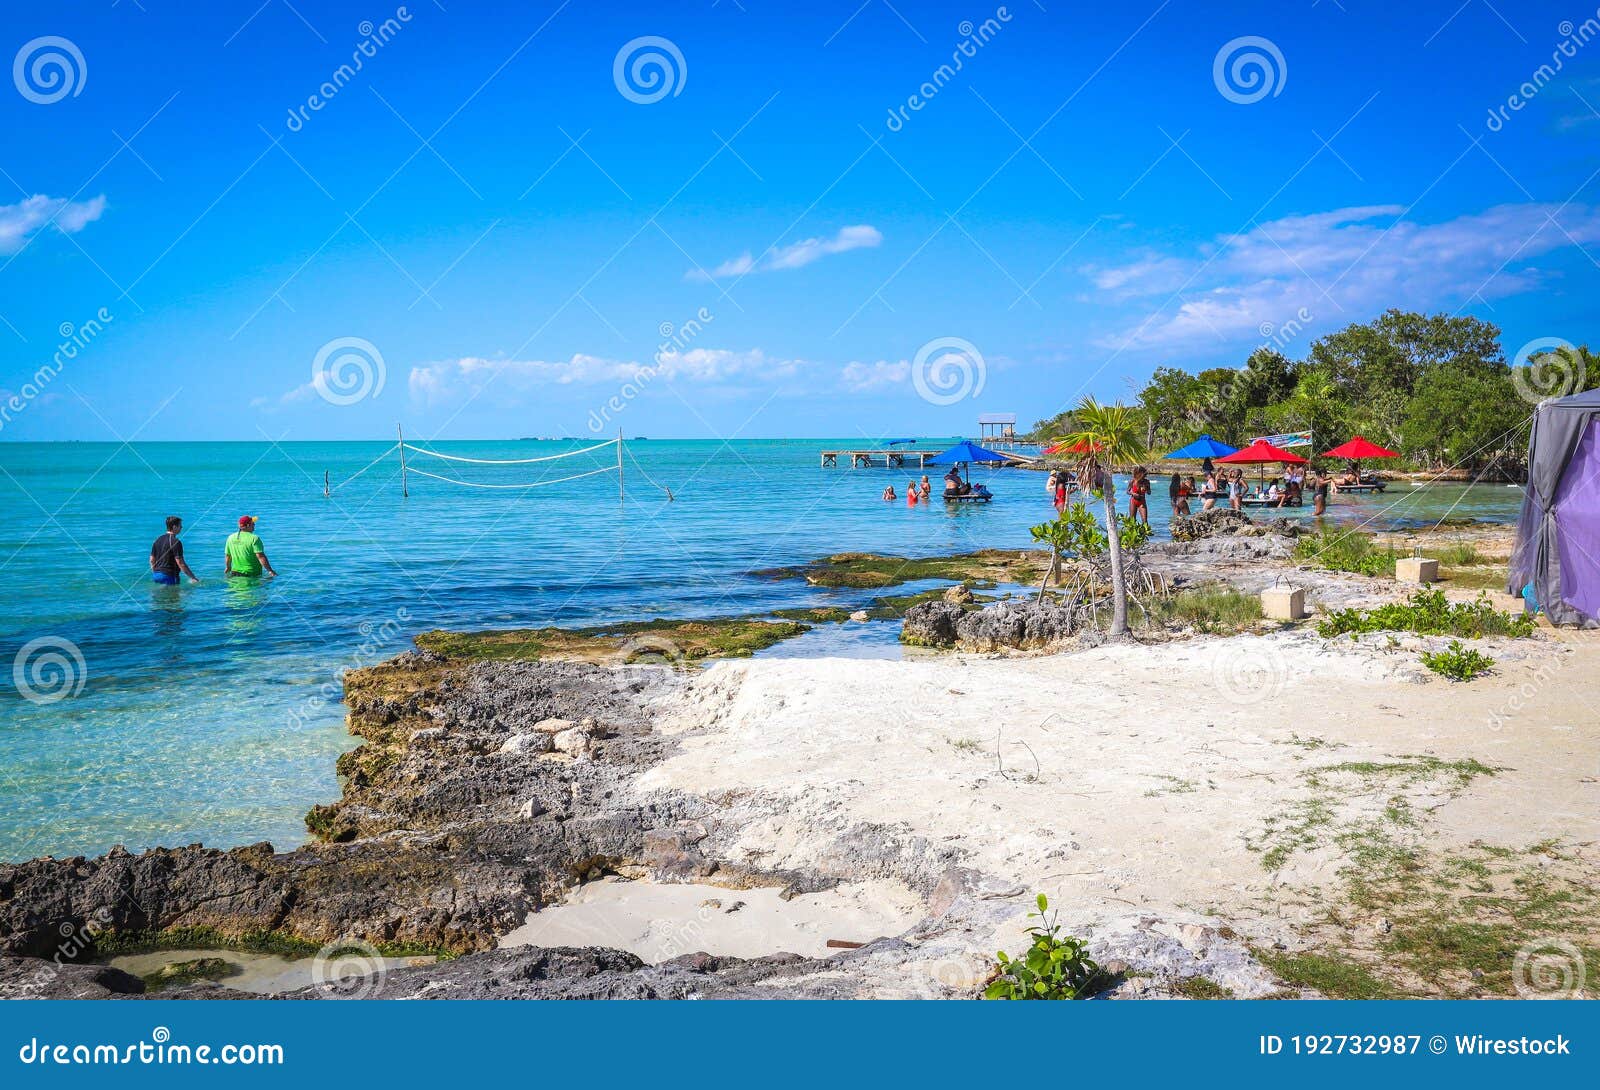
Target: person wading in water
<point>166,556</point>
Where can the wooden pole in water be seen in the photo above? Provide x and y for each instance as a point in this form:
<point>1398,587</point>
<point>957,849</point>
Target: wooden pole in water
<point>325,492</point>
<point>405,489</point>
<point>621,496</point>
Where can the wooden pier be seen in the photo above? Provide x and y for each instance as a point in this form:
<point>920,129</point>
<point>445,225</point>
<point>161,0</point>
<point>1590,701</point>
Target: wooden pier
<point>864,459</point>
<point>899,459</point>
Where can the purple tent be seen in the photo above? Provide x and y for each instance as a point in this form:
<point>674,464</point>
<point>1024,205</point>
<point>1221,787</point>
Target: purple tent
<point>1558,534</point>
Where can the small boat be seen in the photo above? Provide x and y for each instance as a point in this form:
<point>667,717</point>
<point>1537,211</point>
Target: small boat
<point>1364,486</point>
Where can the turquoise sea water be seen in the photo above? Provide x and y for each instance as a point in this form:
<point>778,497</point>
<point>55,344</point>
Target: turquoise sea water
<point>211,713</point>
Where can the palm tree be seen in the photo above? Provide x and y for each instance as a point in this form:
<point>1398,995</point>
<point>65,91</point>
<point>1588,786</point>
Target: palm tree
<point>1107,435</point>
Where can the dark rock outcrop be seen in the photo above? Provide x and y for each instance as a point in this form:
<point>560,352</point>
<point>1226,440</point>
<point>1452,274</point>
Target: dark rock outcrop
<point>1008,625</point>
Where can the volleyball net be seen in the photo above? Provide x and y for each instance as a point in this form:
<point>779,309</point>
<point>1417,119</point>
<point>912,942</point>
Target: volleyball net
<point>410,453</point>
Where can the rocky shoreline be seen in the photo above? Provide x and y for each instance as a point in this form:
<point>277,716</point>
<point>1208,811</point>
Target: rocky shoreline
<point>487,789</point>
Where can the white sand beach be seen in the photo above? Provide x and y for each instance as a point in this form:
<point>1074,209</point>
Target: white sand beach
<point>1146,778</point>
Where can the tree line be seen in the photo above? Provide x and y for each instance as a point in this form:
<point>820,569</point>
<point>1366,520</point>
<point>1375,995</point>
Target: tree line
<point>1436,388</point>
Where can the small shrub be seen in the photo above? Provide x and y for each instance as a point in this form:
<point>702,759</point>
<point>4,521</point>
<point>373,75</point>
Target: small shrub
<point>1055,966</point>
<point>1209,609</point>
<point>1461,554</point>
<point>1457,662</point>
<point>1430,613</point>
<point>1345,550</point>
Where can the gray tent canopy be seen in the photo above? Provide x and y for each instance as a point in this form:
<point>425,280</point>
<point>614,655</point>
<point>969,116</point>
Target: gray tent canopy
<point>1558,533</point>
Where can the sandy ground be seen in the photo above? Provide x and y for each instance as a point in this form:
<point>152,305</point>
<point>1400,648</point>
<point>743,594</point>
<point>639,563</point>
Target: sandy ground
<point>1142,777</point>
<point>661,922</point>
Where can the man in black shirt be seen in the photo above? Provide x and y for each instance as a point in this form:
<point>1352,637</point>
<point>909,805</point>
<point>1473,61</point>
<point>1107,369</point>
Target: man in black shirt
<point>166,556</point>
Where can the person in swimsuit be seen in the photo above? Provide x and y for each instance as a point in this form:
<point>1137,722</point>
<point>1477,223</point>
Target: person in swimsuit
<point>166,556</point>
<point>888,493</point>
<point>1185,490</point>
<point>1236,490</point>
<point>1319,494</point>
<point>1139,496</point>
<point>1208,494</point>
<point>1063,481</point>
<point>911,493</point>
<point>1174,490</point>
<point>925,489</point>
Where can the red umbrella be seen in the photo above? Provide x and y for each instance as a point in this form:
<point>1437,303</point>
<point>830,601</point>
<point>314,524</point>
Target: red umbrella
<point>1261,452</point>
<point>1079,447</point>
<point>1359,449</point>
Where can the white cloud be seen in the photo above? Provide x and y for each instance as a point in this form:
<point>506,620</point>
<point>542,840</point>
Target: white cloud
<point>21,221</point>
<point>1340,266</point>
<point>865,377</point>
<point>449,380</point>
<point>796,255</point>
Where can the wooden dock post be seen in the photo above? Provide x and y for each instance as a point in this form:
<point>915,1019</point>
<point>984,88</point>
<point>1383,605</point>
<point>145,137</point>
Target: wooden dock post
<point>405,489</point>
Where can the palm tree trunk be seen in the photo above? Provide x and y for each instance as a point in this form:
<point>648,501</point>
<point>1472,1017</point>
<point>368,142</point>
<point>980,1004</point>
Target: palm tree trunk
<point>1119,590</point>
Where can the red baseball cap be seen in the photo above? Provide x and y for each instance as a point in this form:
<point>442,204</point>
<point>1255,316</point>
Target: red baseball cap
<point>246,521</point>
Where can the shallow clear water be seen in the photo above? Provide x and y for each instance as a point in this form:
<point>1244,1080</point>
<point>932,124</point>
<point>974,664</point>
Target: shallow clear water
<point>211,713</point>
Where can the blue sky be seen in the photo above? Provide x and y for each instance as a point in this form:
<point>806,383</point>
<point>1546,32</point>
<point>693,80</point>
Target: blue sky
<point>509,231</point>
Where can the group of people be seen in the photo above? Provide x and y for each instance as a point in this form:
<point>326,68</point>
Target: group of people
<point>914,491</point>
<point>1286,491</point>
<point>244,556</point>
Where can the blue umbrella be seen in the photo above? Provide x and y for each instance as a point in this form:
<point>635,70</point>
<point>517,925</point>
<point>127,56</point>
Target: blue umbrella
<point>965,451</point>
<point>1203,447</point>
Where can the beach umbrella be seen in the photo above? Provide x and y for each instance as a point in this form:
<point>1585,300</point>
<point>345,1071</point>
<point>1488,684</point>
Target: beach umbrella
<point>1358,449</point>
<point>1262,453</point>
<point>964,453</point>
<point>1079,447</point>
<point>1203,447</point>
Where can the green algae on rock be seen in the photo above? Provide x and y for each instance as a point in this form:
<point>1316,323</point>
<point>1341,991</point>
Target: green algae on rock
<point>667,641</point>
<point>872,570</point>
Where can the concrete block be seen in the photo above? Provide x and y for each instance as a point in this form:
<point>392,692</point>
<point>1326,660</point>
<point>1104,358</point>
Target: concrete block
<point>1283,603</point>
<point>1416,569</point>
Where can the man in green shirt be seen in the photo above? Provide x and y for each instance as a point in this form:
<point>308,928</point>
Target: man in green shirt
<point>245,554</point>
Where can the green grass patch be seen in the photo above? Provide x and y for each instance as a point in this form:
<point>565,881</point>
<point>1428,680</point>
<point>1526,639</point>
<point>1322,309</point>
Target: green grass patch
<point>1462,554</point>
<point>1211,609</point>
<point>1345,550</point>
<point>1334,976</point>
<point>1201,987</point>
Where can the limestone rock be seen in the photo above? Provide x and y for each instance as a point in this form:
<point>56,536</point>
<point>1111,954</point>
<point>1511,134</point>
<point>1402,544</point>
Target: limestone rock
<point>573,742</point>
<point>527,743</point>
